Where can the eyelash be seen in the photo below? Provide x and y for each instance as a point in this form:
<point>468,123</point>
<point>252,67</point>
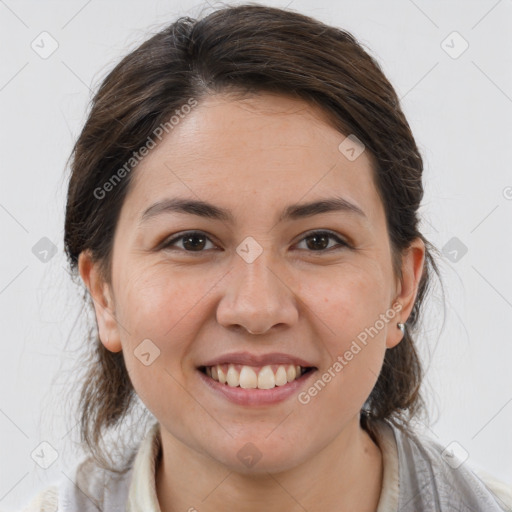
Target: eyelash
<point>169,243</point>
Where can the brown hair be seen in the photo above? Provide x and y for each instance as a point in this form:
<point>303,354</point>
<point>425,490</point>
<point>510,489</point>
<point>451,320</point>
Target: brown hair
<point>247,48</point>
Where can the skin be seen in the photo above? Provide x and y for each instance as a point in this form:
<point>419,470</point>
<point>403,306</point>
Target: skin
<point>254,157</point>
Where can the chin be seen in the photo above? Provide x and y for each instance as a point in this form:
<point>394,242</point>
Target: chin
<point>259,458</point>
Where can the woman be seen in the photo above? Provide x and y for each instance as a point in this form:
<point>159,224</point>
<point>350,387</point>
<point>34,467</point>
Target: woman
<point>243,210</point>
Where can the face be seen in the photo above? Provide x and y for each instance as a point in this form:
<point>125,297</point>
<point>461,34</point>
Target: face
<point>265,286</point>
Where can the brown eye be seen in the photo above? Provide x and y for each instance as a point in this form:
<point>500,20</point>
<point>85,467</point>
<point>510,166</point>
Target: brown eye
<point>193,241</point>
<point>196,241</point>
<point>319,241</point>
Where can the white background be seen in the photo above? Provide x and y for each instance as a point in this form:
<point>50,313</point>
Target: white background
<point>459,110</point>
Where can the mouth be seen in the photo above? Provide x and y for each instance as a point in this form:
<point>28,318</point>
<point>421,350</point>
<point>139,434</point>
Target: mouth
<point>255,377</point>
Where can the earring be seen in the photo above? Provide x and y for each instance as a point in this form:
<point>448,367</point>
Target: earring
<point>401,326</point>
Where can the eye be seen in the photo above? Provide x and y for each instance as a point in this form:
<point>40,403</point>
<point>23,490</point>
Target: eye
<point>193,241</point>
<point>318,241</point>
<point>196,241</point>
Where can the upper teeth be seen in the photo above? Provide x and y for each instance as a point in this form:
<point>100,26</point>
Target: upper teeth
<point>248,377</point>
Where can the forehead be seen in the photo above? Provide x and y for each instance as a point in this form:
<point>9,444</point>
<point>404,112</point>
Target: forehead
<point>259,151</point>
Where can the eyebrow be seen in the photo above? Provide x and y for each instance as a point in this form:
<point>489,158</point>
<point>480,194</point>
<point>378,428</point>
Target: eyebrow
<point>208,210</point>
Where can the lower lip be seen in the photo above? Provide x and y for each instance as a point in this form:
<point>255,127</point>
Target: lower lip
<point>241,396</point>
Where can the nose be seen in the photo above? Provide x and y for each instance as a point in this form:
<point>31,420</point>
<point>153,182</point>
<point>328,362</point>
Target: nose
<point>257,296</point>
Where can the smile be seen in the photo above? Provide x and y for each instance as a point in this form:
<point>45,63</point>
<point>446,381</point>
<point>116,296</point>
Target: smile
<point>251,377</point>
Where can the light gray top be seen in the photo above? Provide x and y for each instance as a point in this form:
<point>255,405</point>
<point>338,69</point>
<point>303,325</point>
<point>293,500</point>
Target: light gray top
<point>419,475</point>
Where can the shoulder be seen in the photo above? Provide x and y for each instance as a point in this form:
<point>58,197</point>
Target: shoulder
<point>501,490</point>
<point>45,501</point>
<point>433,474</point>
<point>88,488</point>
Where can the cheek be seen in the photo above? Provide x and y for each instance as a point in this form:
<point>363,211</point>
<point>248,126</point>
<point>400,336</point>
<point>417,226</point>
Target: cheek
<point>353,317</point>
<point>347,300</point>
<point>155,299</point>
<point>158,313</point>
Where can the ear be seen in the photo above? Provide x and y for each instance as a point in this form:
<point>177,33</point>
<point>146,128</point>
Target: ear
<point>412,269</point>
<point>103,301</point>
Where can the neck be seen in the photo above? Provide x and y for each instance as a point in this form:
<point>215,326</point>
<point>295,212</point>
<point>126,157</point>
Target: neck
<point>345,475</point>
